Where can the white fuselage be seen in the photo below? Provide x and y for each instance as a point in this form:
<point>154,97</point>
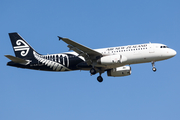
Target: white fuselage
<point>140,53</point>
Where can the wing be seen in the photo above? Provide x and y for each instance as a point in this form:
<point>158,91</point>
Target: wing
<point>89,54</point>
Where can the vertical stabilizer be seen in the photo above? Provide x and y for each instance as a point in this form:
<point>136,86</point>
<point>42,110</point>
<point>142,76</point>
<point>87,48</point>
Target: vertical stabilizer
<point>21,48</point>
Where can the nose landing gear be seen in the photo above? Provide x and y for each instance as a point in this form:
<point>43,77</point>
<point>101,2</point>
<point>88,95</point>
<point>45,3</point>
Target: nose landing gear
<point>154,69</point>
<point>153,65</point>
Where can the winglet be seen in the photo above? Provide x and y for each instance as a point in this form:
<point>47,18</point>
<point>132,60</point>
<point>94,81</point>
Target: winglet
<point>60,38</point>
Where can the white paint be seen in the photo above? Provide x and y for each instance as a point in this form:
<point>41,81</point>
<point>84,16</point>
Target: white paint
<point>22,46</point>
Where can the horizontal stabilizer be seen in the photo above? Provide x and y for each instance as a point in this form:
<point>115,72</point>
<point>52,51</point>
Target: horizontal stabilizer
<point>17,60</point>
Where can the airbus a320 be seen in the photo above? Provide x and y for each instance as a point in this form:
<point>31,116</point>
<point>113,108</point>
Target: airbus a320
<point>115,61</point>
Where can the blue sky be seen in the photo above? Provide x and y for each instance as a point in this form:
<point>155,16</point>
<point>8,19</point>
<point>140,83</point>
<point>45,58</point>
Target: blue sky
<point>37,95</point>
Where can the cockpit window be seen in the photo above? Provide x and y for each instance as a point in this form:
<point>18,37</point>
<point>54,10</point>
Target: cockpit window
<point>164,46</point>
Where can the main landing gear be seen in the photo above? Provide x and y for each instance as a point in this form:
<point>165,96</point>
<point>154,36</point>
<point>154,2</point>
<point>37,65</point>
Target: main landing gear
<point>93,72</point>
<point>153,65</point>
<point>99,78</point>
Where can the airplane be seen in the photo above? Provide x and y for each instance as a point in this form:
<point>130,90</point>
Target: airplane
<point>115,61</point>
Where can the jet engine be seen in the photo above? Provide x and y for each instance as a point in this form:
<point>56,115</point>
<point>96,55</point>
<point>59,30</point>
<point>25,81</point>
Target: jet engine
<point>119,71</point>
<point>112,59</point>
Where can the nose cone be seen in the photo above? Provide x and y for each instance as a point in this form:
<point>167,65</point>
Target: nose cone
<point>168,53</point>
<point>172,53</point>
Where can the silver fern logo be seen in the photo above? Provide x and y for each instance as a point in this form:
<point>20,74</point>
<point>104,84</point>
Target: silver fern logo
<point>52,64</point>
<point>22,46</point>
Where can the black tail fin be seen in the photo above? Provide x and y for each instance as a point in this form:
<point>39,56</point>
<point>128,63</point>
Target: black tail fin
<point>21,48</point>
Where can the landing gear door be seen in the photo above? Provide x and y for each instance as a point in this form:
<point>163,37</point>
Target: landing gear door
<point>151,48</point>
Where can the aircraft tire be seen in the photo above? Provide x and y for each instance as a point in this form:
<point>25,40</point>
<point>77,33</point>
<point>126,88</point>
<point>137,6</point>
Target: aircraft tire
<point>93,71</point>
<point>100,79</point>
<point>154,69</point>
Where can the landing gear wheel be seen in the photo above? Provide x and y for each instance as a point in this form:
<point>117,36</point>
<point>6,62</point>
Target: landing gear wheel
<point>100,79</point>
<point>154,69</point>
<point>93,71</point>
<point>153,65</point>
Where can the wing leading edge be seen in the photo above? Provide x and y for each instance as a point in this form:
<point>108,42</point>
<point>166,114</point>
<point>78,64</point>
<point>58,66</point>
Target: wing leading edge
<point>89,54</point>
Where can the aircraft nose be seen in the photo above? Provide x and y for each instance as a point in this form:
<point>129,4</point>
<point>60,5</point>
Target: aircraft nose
<point>172,52</point>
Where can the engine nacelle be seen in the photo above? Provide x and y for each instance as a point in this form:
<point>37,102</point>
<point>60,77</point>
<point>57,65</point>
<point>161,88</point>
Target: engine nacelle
<point>119,71</point>
<point>112,59</point>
